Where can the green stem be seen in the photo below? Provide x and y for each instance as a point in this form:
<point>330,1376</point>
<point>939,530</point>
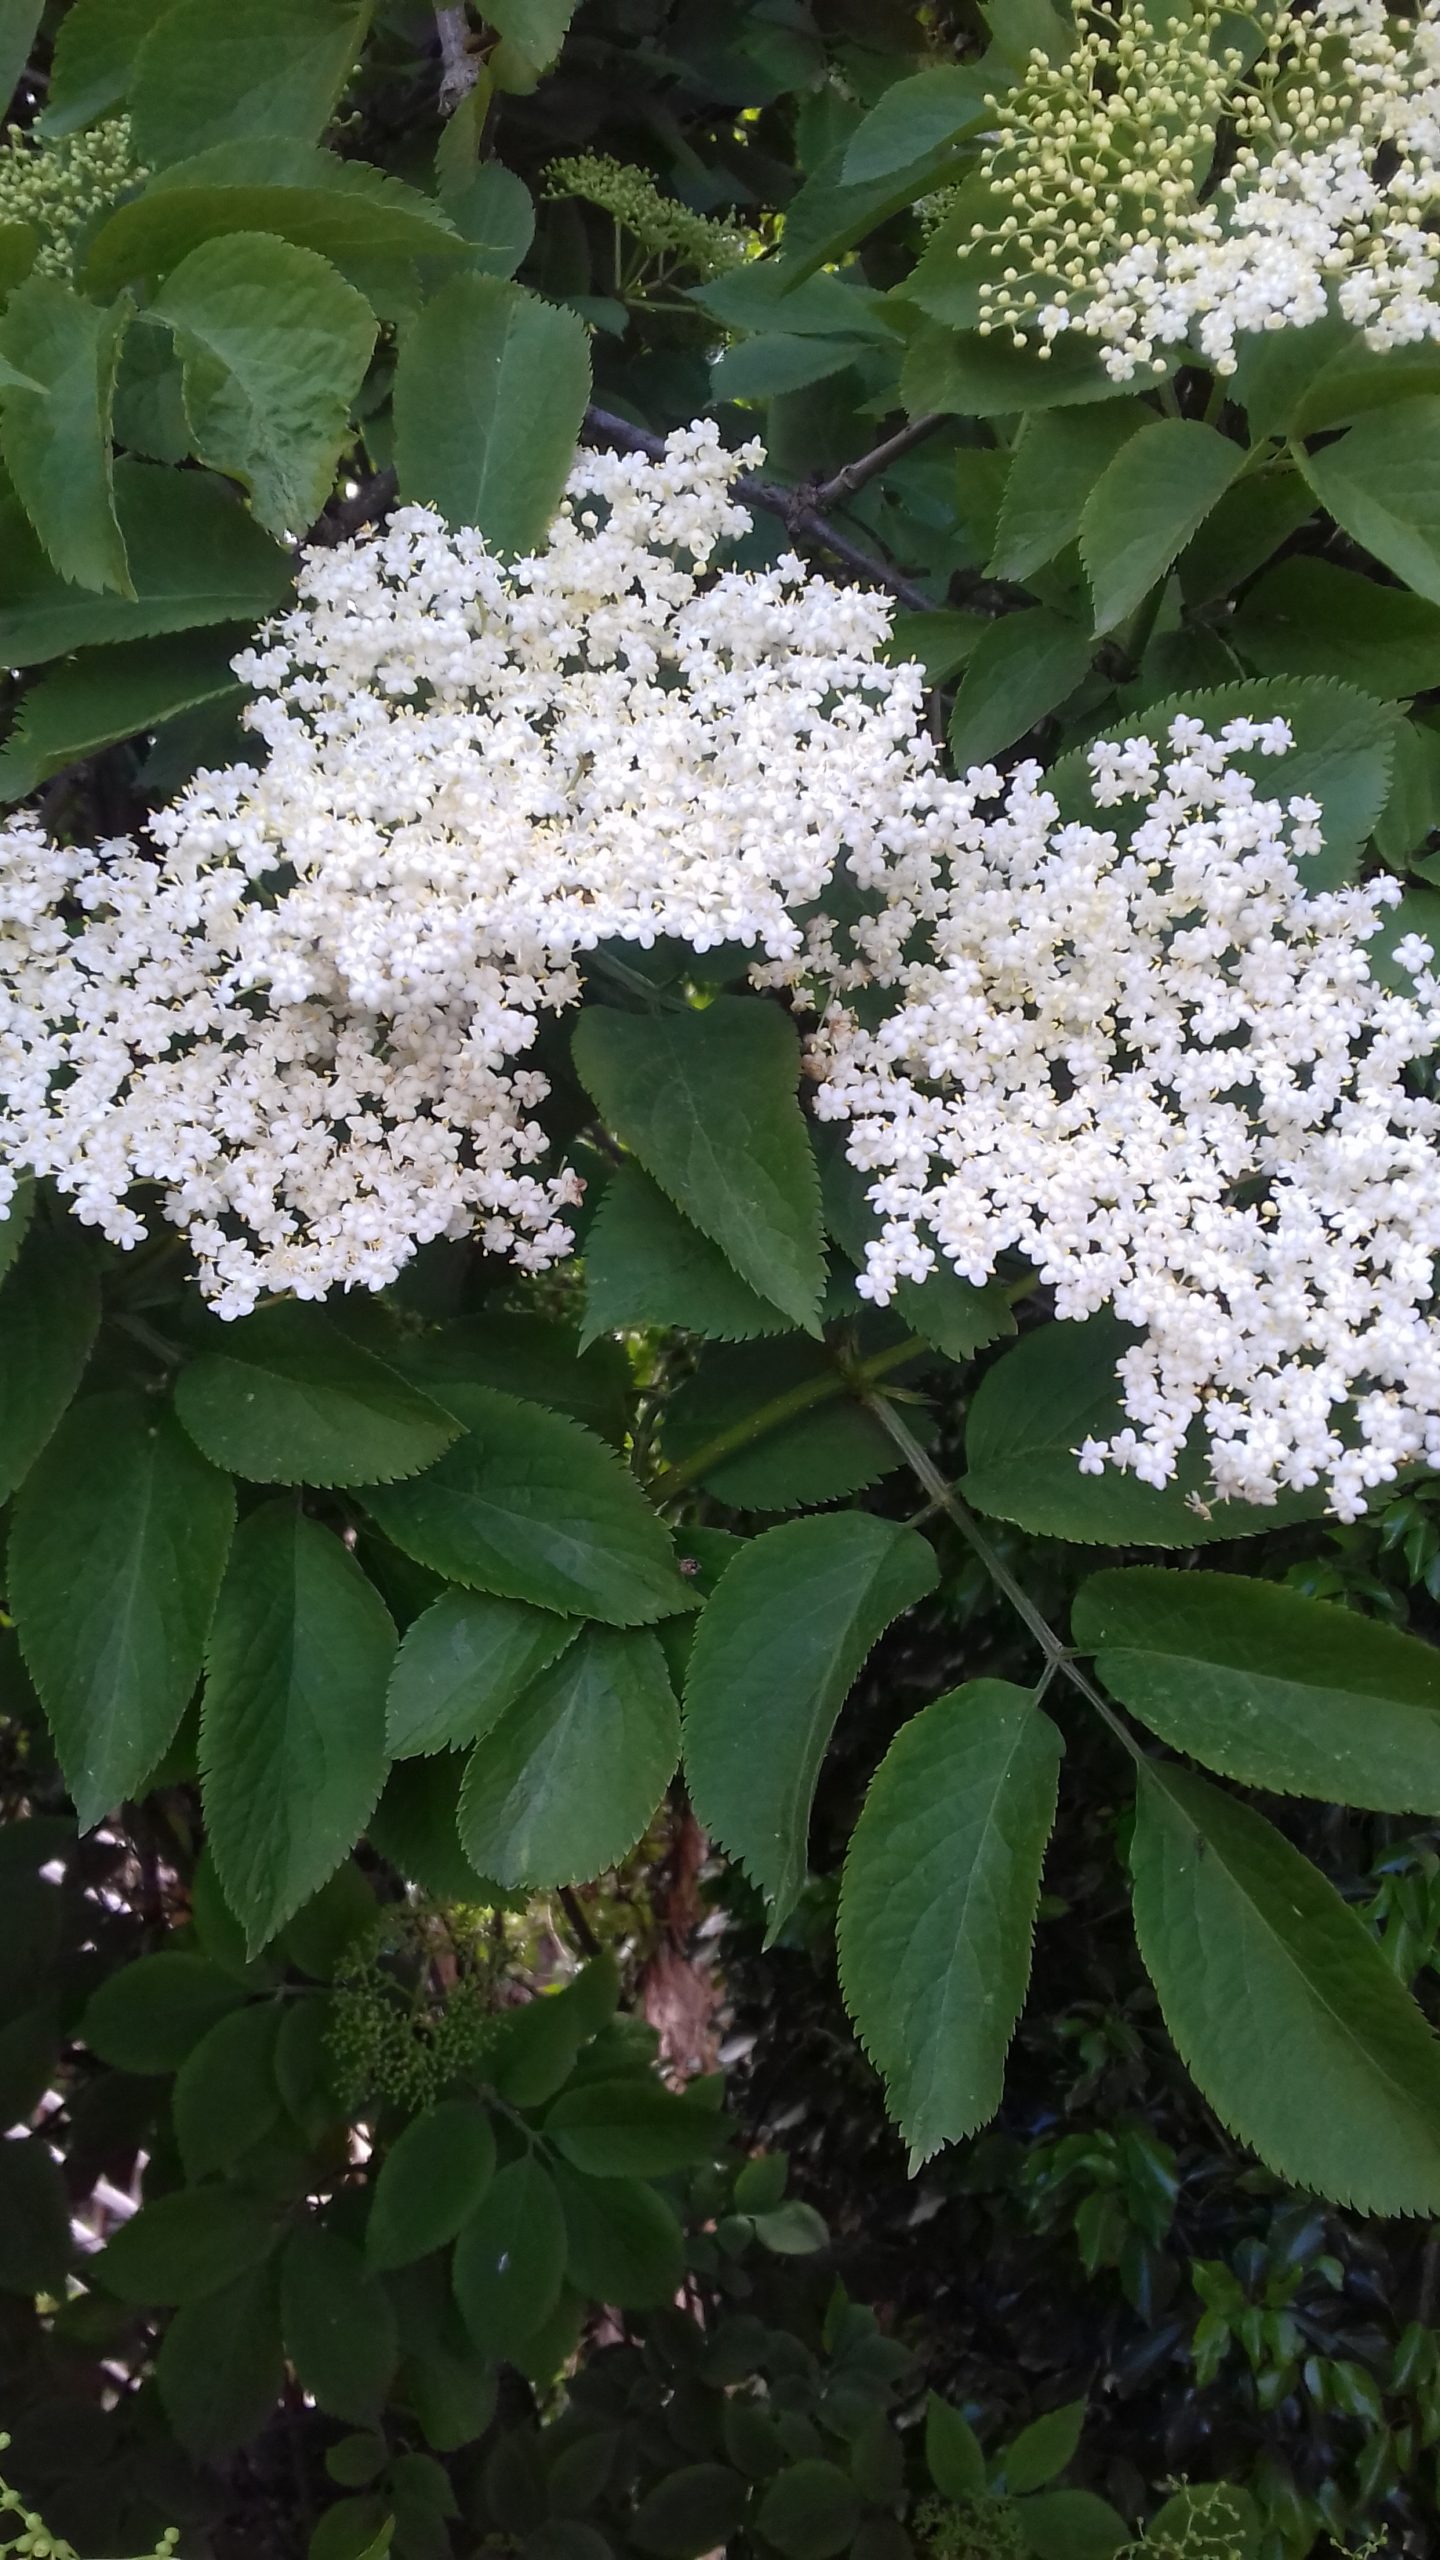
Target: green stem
<point>1058,1656</point>
<point>851,1380</point>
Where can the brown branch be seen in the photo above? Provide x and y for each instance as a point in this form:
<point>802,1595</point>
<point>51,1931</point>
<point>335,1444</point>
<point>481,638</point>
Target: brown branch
<point>461,68</point>
<point>831,493</point>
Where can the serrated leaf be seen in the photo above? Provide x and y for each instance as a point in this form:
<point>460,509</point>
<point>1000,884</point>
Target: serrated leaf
<point>1251,521</point>
<point>979,377</point>
<point>938,1904</point>
<point>528,1356</point>
<point>1381,483</point>
<point>285,1397</point>
<point>337,2323</point>
<point>494,213</point>
<point>1310,619</point>
<point>777,1648</point>
<point>707,1101</point>
<point>1023,667</point>
<point>1300,1696</point>
<point>196,557</point>
<point>49,1313</point>
<point>19,21</point>
<point>1056,463</point>
<point>341,209</point>
<point>929,110</point>
<point>464,1661</point>
<point>275,345</point>
<point>624,2246</point>
<point>1275,1992</point>
<point>1073,2524</point>
<point>226,2094</point>
<point>953,2454</point>
<point>105,695</point>
<point>292,1733</point>
<point>825,1444</point>
<point>647,1266</point>
<point>565,1784</point>
<point>536,28</point>
<point>220,2370</point>
<point>1027,1419</point>
<point>116,1651</point>
<point>490,391</point>
<point>630,2127</point>
<point>764,368</point>
<point>96,46</point>
<point>205,75</point>
<point>530,1505</point>
<point>1146,505</point>
<point>431,2181</point>
<point>55,439</point>
<point>181,2248</point>
<point>414,1826</point>
<point>1042,2450</point>
<point>509,2259</point>
<point>148,2015</point>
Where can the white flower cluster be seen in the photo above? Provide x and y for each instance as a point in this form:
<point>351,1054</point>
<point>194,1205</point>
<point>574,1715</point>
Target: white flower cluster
<point>1158,1068</point>
<point>298,1007</point>
<point>1326,202</point>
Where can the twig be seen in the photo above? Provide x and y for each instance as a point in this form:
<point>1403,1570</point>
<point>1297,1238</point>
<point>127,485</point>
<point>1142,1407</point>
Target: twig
<point>580,1929</point>
<point>830,493</point>
<point>792,506</point>
<point>461,67</point>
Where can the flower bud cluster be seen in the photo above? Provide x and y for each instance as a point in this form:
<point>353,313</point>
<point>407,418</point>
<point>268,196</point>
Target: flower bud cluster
<point>60,187</point>
<point>659,224</point>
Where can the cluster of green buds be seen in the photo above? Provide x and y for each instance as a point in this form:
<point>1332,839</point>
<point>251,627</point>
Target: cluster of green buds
<point>59,188</point>
<point>975,2528</point>
<point>414,2007</point>
<point>35,2541</point>
<point>666,231</point>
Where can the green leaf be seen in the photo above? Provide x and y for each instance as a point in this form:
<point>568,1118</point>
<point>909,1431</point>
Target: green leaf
<point>494,212</point>
<point>275,346</point>
<point>220,2370</point>
<point>196,556</point>
<point>778,1646</point>
<point>565,1784</point>
<point>979,377</point>
<point>624,2246</point>
<point>49,1312</point>
<point>430,2183</point>
<point>535,28</point>
<point>1027,1419</point>
<point>151,2013</point>
<point>205,75</point>
<point>646,1265</point>
<point>414,1827</point>
<point>530,1505</point>
<point>1055,465</point>
<point>462,1665</point>
<point>938,1903</point>
<point>810,2511</point>
<point>19,21</point>
<point>1146,505</point>
<point>764,368</point>
<point>1072,2524</point>
<point>953,2456</point>
<point>292,1735</point>
<point>630,2128</point>
<point>115,1652</point>
<point>695,2510</point>
<point>824,1444</point>
<point>105,695</point>
<point>55,440</point>
<point>1300,1696</point>
<point>930,109</point>
<point>1294,382</point>
<point>791,2230</point>
<point>342,209</point>
<point>96,44</point>
<point>290,1399</point>
<point>827,216</point>
<point>35,2244</point>
<point>183,2247</point>
<point>324,1929</point>
<point>1251,521</point>
<point>510,2258</point>
<point>226,2095</point>
<point>1381,483</point>
<point>15,1224</point>
<point>1023,667</point>
<point>943,1309</point>
<point>1309,618</point>
<point>1275,1992</point>
<point>337,2323</point>
<point>529,1356</point>
<point>707,1101</point>
<point>490,391</point>
<point>1042,2450</point>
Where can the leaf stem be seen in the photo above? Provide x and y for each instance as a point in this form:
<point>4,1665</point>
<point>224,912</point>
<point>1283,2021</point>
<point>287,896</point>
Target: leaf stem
<point>1058,1656</point>
<point>783,1408</point>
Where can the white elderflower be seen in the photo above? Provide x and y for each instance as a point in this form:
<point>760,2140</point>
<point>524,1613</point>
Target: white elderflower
<point>302,1007</point>
<point>1155,1066</point>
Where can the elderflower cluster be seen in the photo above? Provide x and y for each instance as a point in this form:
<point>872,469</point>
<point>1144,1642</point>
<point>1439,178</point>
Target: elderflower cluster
<point>301,1009</point>
<point>664,228</point>
<point>60,187</point>
<point>1158,1067</point>
<point>1325,202</point>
